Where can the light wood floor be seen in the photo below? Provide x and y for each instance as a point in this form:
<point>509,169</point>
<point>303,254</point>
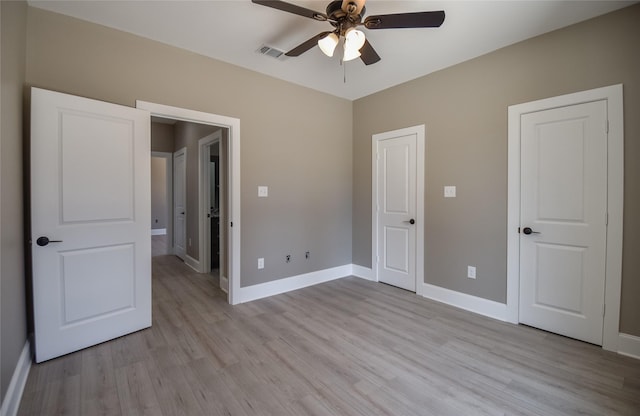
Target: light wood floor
<point>347,347</point>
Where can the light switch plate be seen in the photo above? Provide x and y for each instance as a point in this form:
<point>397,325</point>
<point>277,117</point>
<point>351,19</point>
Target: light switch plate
<point>449,191</point>
<point>263,191</point>
<point>261,263</point>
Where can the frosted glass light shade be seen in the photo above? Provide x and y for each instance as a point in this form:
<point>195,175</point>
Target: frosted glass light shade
<point>350,53</point>
<point>354,38</point>
<point>328,44</point>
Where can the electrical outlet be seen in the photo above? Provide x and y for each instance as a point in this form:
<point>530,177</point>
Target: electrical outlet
<point>261,263</point>
<point>471,272</point>
<point>306,255</point>
<point>288,258</point>
<point>263,191</point>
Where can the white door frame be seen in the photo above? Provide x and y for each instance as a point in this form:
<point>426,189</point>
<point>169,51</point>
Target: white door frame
<point>204,198</point>
<point>233,179</point>
<point>168,156</point>
<point>419,131</point>
<point>615,197</point>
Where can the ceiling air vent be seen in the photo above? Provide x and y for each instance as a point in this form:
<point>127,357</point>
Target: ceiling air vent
<point>270,51</point>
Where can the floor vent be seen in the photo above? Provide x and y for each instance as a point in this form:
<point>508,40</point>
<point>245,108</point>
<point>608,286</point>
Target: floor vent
<point>270,51</point>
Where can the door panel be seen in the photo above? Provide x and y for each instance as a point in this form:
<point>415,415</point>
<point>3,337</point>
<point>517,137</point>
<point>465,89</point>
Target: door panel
<point>179,201</point>
<point>90,195</point>
<point>564,194</point>
<point>396,207</point>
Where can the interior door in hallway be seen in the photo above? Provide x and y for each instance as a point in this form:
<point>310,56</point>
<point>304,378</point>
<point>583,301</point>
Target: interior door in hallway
<point>563,220</point>
<point>90,221</point>
<point>180,203</point>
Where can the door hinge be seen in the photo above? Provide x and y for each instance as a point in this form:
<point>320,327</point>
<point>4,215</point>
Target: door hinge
<point>232,223</point>
<point>518,230</point>
<point>604,308</point>
<point>606,219</point>
<point>607,127</point>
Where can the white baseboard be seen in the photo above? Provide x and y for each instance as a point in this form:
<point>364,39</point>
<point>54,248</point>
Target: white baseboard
<point>288,284</point>
<point>470,303</point>
<point>158,231</point>
<point>191,262</point>
<point>224,284</point>
<point>629,345</point>
<point>363,272</point>
<point>11,401</point>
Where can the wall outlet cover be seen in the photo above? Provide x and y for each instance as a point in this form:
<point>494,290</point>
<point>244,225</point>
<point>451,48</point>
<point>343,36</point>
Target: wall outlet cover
<point>449,191</point>
<point>263,191</point>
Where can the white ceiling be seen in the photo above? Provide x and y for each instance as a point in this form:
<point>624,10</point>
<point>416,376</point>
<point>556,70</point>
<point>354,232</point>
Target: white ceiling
<point>233,30</point>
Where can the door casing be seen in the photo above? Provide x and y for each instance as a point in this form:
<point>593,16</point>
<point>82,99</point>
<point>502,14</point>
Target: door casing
<point>419,131</point>
<point>615,198</point>
<point>233,225</point>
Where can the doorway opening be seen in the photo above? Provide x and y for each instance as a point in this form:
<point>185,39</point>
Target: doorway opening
<point>161,197</point>
<point>198,240</point>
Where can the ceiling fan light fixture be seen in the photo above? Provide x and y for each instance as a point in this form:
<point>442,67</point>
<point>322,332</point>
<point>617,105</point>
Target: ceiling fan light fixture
<point>354,38</point>
<point>328,44</point>
<point>350,53</point>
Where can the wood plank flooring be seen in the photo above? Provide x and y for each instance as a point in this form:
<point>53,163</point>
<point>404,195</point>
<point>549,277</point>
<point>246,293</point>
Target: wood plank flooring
<point>347,347</point>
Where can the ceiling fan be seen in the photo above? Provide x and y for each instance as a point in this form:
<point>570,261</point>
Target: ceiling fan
<point>345,16</point>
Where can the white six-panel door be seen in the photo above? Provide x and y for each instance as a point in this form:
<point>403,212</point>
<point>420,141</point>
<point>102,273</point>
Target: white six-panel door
<point>563,220</point>
<point>397,209</point>
<point>90,197</point>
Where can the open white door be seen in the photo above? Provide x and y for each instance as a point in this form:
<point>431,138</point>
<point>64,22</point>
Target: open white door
<point>90,216</point>
<point>180,202</point>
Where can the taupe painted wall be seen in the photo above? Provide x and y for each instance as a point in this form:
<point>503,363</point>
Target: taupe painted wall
<point>306,164</point>
<point>464,109</point>
<point>162,137</point>
<point>12,274</point>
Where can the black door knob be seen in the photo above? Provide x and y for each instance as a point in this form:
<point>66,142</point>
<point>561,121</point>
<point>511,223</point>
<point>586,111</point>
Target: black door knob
<point>412,221</point>
<point>527,231</point>
<point>43,241</point>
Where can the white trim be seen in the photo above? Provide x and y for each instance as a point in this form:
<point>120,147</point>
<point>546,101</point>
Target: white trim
<point>203,198</point>
<point>615,197</point>
<point>12,398</point>
<point>486,307</point>
<point>191,262</point>
<point>233,179</point>
<point>158,231</point>
<point>224,284</point>
<point>168,156</point>
<point>289,284</point>
<point>419,131</point>
<point>629,345</point>
<point>363,272</point>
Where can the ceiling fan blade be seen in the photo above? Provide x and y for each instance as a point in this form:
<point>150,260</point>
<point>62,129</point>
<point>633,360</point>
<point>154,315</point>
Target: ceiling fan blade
<point>358,3</point>
<point>292,8</point>
<point>405,20</point>
<point>368,54</point>
<point>305,46</point>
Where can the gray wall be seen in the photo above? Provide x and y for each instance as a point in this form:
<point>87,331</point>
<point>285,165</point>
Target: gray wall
<point>464,109</point>
<point>306,164</point>
<point>12,282</point>
<point>162,137</point>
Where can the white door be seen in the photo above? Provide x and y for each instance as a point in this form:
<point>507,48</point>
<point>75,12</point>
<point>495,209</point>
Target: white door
<point>563,220</point>
<point>397,209</point>
<point>90,198</point>
<point>179,202</point>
